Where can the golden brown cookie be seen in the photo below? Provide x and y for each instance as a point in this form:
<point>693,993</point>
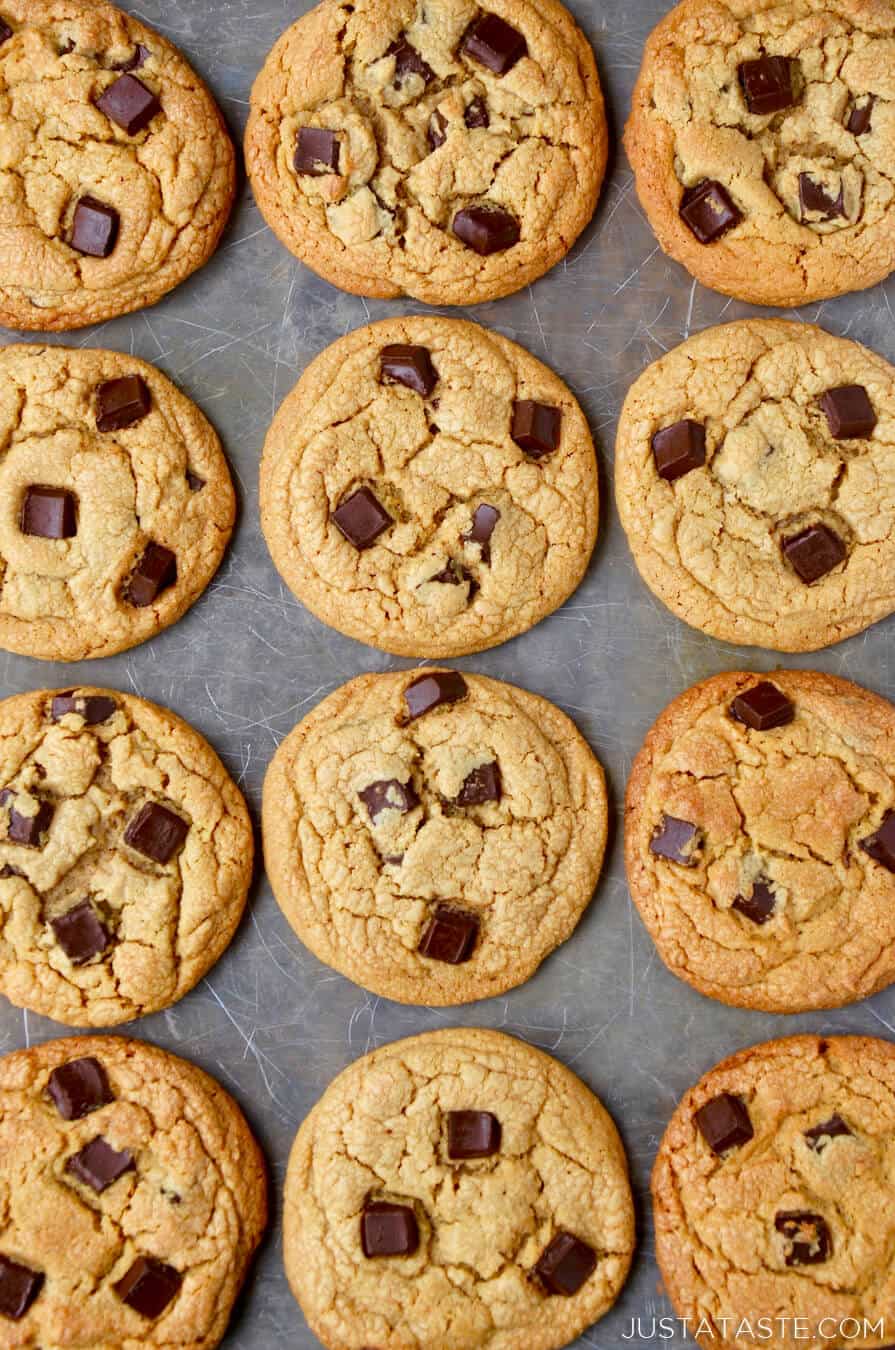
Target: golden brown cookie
<point>133,1198</point>
<point>434,836</point>
<point>456,1190</point>
<point>116,175</point>
<point>762,138</point>
<point>445,151</point>
<point>430,488</point>
<point>125,855</point>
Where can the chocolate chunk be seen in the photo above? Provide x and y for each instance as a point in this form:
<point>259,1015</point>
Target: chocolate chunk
<point>486,229</point>
<point>708,211</point>
<point>94,228</point>
<point>408,62</point>
<point>389,795</point>
<point>25,829</point>
<point>156,832</point>
<point>476,114</point>
<point>494,43</point>
<point>49,513</point>
<point>98,1164</point>
<point>565,1263</point>
<point>762,707</point>
<point>449,936</point>
<point>819,1136</point>
<point>194,482</point>
<point>316,152</point>
<point>860,116</point>
<point>361,518</point>
<point>482,784</point>
<point>138,58</point>
<point>536,427</point>
<point>393,859</point>
<point>436,132</point>
<point>5,32</point>
<point>807,1236</point>
<point>724,1123</point>
<point>19,1286</point>
<point>154,573</point>
<point>122,402</point>
<point>129,104</point>
<point>484,518</point>
<point>388,1230</point>
<point>403,364</point>
<point>433,690</point>
<point>80,933</point>
<point>759,906</point>
<point>814,552</point>
<point>6,872</point>
<point>678,449</point>
<point>768,84</point>
<point>816,201</point>
<point>450,575</point>
<point>79,1087</point>
<point>881,845</point>
<point>149,1286</point>
<point>849,412</point>
<point>472,1134</point>
<point>93,708</point>
<point>676,840</point>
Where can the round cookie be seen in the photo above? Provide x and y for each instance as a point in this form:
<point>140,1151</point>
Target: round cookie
<point>429,488</point>
<point>120,173</point>
<point>773,1195</point>
<point>762,138</point>
<point>117,503</point>
<point>455,1191</point>
<point>134,1197</point>
<point>434,836</point>
<point>448,152</point>
<point>760,839</point>
<point>755,479</point>
<point>125,855</point>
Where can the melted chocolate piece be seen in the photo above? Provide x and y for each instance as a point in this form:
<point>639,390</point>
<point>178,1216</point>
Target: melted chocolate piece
<point>762,707</point>
<point>814,552</point>
<point>433,690</point>
<point>388,1230</point>
<point>450,575</point>
<point>408,62</point>
<point>80,933</point>
<point>486,229</point>
<point>724,1123</point>
<point>759,906</point>
<point>849,412</point>
<point>149,1286</point>
<point>24,829</point>
<point>93,708</point>
<point>816,201</point>
<point>807,1235</point>
<point>819,1136</point>
<point>494,43</point>
<point>408,365</point>
<point>450,936</point>
<point>388,794</point>
<point>676,840</point>
<point>484,519</point>
<point>138,58</point>
<point>5,32</point>
<point>768,84</point>
<point>316,152</point>
<point>155,571</point>
<point>156,832</point>
<point>122,402</point>
<point>476,114</point>
<point>49,513</point>
<point>19,1285</point>
<point>708,211</point>
<point>436,132</point>
<point>565,1264</point>
<point>194,482</point>
<point>94,229</point>
<point>536,427</point>
<point>361,518</point>
<point>859,118</point>
<point>130,104</point>
<point>881,845</point>
<point>98,1164</point>
<point>482,785</point>
<point>79,1087</point>
<point>472,1134</point>
<point>678,449</point>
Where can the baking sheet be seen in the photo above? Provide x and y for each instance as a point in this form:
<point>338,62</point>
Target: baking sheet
<point>248,661</point>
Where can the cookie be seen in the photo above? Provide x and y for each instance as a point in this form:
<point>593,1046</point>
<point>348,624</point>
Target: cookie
<point>118,171</point>
<point>762,138</point>
<point>117,502</point>
<point>429,488</point>
<point>755,479</point>
<point>458,1189</point>
<point>760,839</point>
<point>134,1197</point>
<point>125,855</point>
<point>434,836</point>
<point>448,152</point>
<point>773,1195</point>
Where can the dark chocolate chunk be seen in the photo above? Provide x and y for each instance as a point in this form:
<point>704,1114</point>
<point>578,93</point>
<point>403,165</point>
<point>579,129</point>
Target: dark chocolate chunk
<point>19,1286</point>
<point>849,412</point>
<point>194,482</point>
<point>708,211</point>
<point>881,845</point>
<point>724,1123</point>
<point>94,228</point>
<point>436,131</point>
<point>472,1134</point>
<point>814,552</point>
<point>408,62</point>
<point>388,794</point>
<point>433,690</point>
<point>25,829</point>
<point>394,859</point>
<point>450,936</point>
<point>565,1263</point>
<point>129,104</point>
<point>6,871</point>
<point>403,364</point>
<point>79,1087</point>
<point>808,1238</point>
<point>762,707</point>
<point>149,1286</point>
<point>676,840</point>
<point>819,1136</point>
<point>486,229</point>
<point>678,449</point>
<point>536,427</point>
<point>388,1230</point>
<point>361,518</point>
<point>93,708</point>
<point>5,32</point>
<point>80,933</point>
<point>476,114</point>
<point>316,152</point>
<point>768,85</point>
<point>98,1164</point>
<point>860,116</point>
<point>484,518</point>
<point>759,906</point>
<point>816,201</point>
<point>452,574</point>
<point>122,402</point>
<point>49,512</point>
<point>481,785</point>
<point>154,573</point>
<point>156,832</point>
<point>494,43</point>
<point>138,57</point>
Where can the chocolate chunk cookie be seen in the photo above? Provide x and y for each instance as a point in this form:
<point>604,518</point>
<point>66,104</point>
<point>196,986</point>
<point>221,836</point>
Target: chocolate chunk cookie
<point>117,170</point>
<point>434,836</point>
<point>760,839</point>
<point>755,478</point>
<point>134,1197</point>
<point>125,855</point>
<point>116,499</point>
<point>440,150</point>
<point>459,1188</point>
<point>762,137</point>
<point>430,488</point>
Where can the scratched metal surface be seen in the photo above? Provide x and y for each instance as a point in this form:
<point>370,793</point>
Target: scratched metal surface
<point>270,1021</point>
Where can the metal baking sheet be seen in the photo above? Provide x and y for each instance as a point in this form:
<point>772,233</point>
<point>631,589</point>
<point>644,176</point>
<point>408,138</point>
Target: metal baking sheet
<point>248,661</point>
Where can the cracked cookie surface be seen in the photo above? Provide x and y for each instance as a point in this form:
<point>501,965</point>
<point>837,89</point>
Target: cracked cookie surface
<point>190,1199</point>
<point>381,1130</point>
<point>169,182</point>
<point>719,543</point>
<point>156,477</point>
<point>415,116</point>
<point>481,821</point>
<point>779,894</point>
<point>801,152</point>
<point>443,576</point>
<point>103,919</point>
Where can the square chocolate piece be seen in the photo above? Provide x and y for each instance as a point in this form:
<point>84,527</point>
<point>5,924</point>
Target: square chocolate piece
<point>494,43</point>
<point>98,1164</point>
<point>316,152</point>
<point>676,840</point>
<point>859,119</point>
<point>122,402</point>
<point>388,1230</point>
<point>484,519</point>
<point>816,203</point>
<point>536,427</point>
<point>80,933</point>
<point>482,784</point>
<point>129,104</point>
<point>762,707</point>
<point>408,62</point>
<point>450,936</point>
<point>93,708</point>
<point>361,518</point>
<point>724,1123</point>
<point>79,1087</point>
<point>49,513</point>
<point>807,1236</point>
<point>476,114</point>
<point>94,229</point>
<point>149,1286</point>
<point>402,363</point>
<point>708,211</point>
<point>565,1264</point>
<point>155,571</point>
<point>678,449</point>
<point>472,1134</point>
<point>486,229</point>
<point>814,552</point>
<point>759,906</point>
<point>156,832</point>
<point>29,830</point>
<point>433,690</point>
<point>388,794</point>
<point>19,1287</point>
<point>768,84</point>
<point>849,412</point>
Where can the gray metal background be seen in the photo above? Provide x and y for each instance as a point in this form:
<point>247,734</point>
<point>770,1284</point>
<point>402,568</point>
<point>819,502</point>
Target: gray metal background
<point>247,662</point>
